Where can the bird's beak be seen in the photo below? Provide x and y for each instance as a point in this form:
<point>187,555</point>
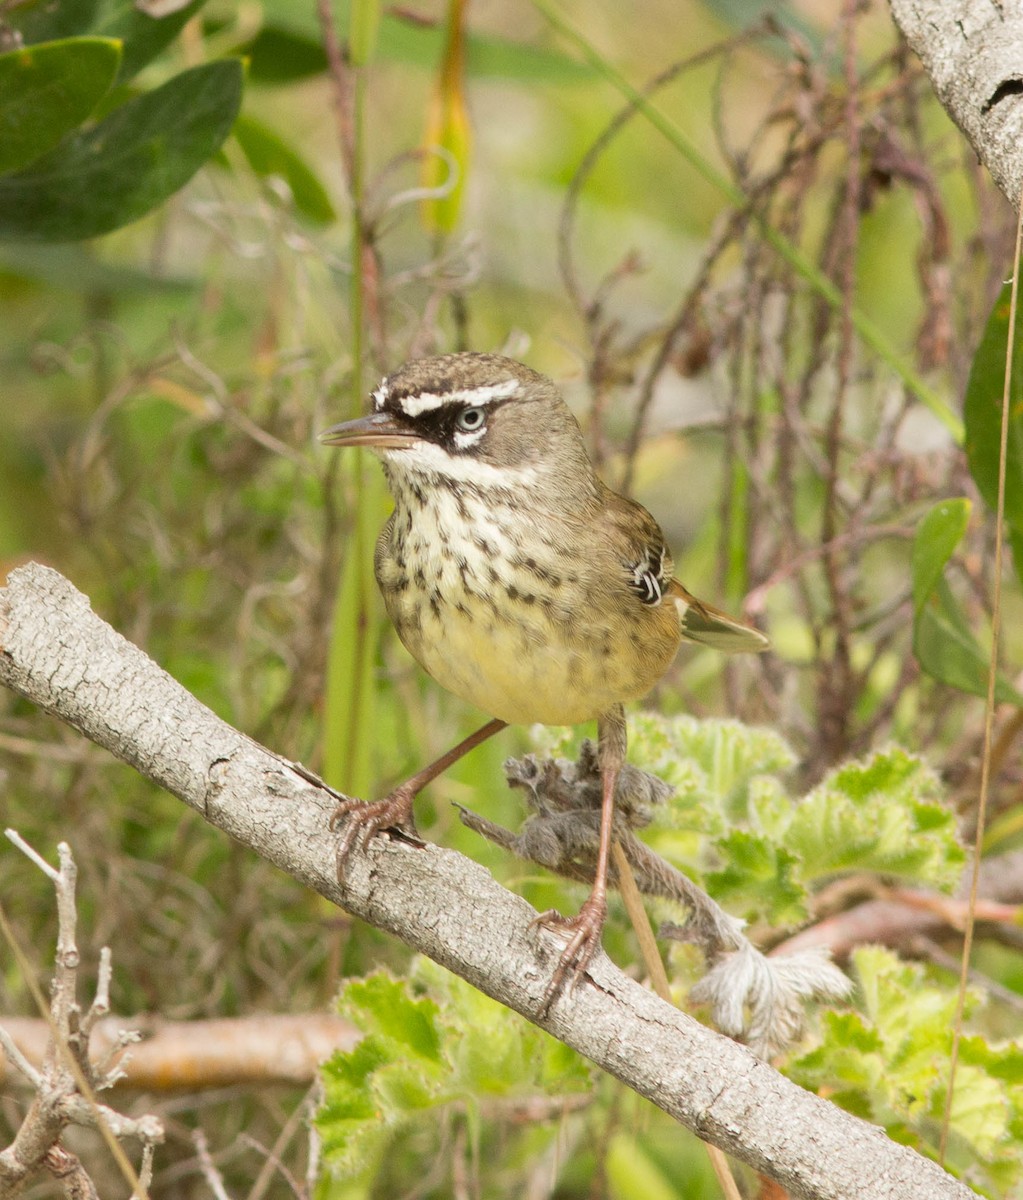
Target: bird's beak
<point>378,430</point>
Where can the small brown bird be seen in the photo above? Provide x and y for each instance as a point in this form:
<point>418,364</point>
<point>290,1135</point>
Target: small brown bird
<point>517,579</point>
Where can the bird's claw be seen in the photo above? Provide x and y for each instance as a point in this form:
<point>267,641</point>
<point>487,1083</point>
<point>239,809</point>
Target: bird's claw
<point>364,821</point>
<point>584,932</point>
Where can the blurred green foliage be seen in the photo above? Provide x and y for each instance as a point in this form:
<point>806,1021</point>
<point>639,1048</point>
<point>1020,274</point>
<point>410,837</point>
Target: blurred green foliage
<point>162,391</point>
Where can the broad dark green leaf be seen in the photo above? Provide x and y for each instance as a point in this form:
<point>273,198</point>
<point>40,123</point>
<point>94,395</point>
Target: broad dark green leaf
<point>269,154</point>
<point>982,412</point>
<point>285,51</point>
<point>132,161</point>
<point>46,91</point>
<point>143,36</point>
<point>278,55</point>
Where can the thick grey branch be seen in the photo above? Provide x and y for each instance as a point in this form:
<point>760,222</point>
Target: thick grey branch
<point>973,52</point>
<point>55,651</point>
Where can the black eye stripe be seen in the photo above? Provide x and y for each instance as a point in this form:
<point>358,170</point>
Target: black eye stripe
<point>441,424</point>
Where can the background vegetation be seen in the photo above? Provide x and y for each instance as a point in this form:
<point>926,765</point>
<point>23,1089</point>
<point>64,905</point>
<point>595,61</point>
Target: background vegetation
<point>763,297</point>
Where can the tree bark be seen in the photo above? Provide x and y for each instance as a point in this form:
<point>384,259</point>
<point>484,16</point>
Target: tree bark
<point>973,52</point>
<point>55,651</point>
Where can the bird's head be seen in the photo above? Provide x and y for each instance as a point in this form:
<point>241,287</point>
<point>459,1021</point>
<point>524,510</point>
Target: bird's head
<point>477,420</point>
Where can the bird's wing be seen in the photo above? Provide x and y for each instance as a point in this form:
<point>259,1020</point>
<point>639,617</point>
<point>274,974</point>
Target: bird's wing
<point>635,541</point>
<point>634,547</point>
<point>702,622</point>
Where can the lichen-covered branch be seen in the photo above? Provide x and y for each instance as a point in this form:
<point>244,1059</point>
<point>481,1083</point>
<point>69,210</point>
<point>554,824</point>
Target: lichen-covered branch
<point>58,653</point>
<point>971,50</point>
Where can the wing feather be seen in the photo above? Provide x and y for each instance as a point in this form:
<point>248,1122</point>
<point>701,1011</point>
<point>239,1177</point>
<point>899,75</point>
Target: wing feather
<point>703,623</point>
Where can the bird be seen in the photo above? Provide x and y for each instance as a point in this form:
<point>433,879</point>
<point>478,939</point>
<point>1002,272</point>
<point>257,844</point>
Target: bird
<point>519,581</point>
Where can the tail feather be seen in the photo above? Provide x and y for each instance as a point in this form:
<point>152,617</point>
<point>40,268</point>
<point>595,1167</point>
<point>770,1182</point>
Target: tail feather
<point>703,623</point>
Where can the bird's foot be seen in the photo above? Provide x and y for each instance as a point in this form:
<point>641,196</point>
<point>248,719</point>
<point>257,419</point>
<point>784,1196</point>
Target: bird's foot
<point>363,821</point>
<point>583,932</point>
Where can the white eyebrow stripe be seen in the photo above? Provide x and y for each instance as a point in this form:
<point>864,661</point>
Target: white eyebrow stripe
<point>420,402</point>
<point>380,396</point>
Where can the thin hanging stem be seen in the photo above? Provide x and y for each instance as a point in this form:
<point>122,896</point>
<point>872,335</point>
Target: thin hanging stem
<point>989,707</point>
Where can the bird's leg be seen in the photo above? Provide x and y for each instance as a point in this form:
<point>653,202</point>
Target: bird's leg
<point>585,928</point>
<point>364,820</point>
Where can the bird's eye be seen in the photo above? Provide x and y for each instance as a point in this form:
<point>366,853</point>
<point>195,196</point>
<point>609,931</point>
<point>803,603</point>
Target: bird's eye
<point>471,419</point>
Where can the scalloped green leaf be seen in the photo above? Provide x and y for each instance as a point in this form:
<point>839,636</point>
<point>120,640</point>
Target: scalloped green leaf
<point>381,1006</point>
<point>143,37</point>
<point>760,879</point>
<point>48,90</point>
<point>882,814</point>
<point>914,1017</point>
<point>890,1063</point>
<point>422,1052</point>
<point>117,171</point>
<point>728,754</point>
<point>269,154</point>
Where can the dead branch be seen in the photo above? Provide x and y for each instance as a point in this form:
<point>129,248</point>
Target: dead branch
<point>66,1081</point>
<point>260,1050</point>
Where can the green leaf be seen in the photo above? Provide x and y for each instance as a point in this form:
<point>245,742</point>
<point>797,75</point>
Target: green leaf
<point>126,165</point>
<point>269,154</point>
<point>982,412</point>
<point>632,1174</point>
<point>279,55</point>
<point>284,51</point>
<point>421,1053</point>
<point>449,131</point>
<point>75,269</point>
<point>143,37</point>
<point>728,755</point>
<point>946,649</point>
<point>890,1064</point>
<point>939,533</point>
<point>759,879</point>
<point>381,1006</point>
<point>943,642</point>
<point>881,814</point>
<point>48,90</point>
<point>363,30</point>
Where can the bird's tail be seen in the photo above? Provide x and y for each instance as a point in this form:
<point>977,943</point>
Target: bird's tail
<point>703,623</point>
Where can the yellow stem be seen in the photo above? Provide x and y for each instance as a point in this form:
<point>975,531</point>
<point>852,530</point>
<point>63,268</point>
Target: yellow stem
<point>659,978</point>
